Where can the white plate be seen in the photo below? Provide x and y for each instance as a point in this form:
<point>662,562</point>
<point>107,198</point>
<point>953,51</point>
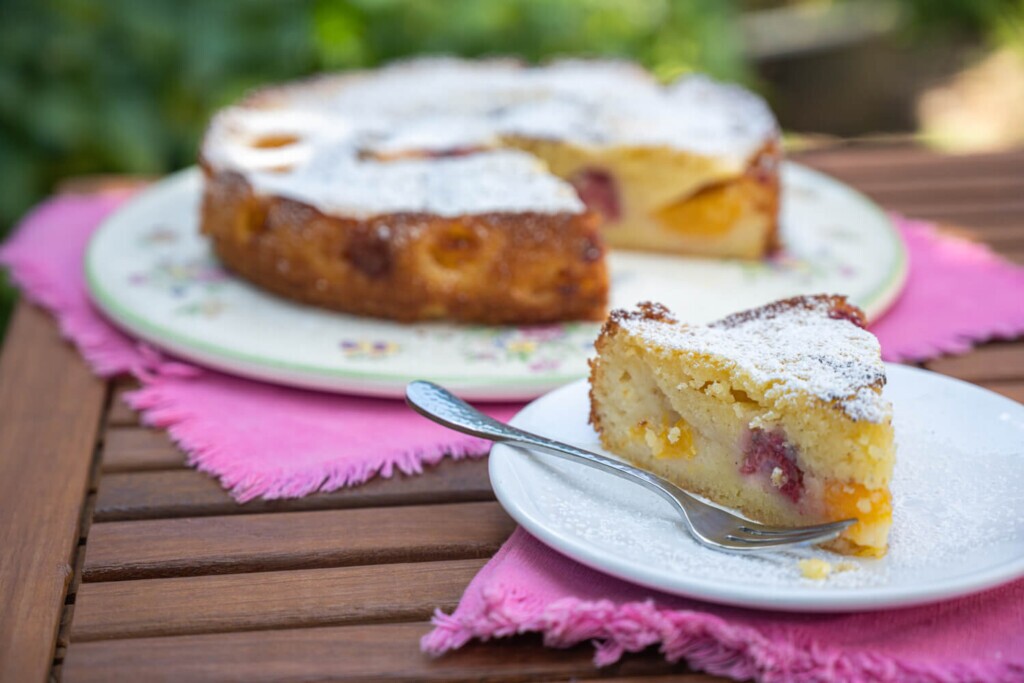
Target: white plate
<point>958,523</point>
<point>152,273</point>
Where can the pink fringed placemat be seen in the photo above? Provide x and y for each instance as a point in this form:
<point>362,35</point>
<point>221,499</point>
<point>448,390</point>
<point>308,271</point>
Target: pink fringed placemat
<point>268,441</point>
<point>528,588</point>
<point>259,440</point>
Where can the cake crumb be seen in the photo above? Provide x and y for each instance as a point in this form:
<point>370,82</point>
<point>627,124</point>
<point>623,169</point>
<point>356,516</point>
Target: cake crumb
<point>779,478</point>
<point>674,434</point>
<point>816,569</point>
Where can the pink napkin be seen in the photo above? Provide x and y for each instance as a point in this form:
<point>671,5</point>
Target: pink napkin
<point>528,588</point>
<point>260,440</point>
<point>267,441</point>
<point>958,293</point>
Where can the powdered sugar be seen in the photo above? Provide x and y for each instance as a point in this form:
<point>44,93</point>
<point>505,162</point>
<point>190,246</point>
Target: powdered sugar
<point>958,507</point>
<point>480,183</point>
<point>796,348</point>
<point>440,105</point>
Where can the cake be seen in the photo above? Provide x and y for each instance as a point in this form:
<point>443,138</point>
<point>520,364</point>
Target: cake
<point>483,191</point>
<point>776,411</point>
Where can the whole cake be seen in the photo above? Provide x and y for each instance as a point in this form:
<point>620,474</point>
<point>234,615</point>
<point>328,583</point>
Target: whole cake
<point>483,191</point>
<point>777,411</point>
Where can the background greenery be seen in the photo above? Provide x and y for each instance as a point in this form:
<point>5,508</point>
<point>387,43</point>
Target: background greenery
<point>126,86</point>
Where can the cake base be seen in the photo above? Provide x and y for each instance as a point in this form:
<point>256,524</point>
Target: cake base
<point>494,268</point>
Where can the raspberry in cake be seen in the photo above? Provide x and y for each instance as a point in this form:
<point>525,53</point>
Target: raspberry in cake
<point>777,411</point>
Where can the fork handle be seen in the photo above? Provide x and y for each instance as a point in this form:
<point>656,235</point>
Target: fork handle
<point>443,407</point>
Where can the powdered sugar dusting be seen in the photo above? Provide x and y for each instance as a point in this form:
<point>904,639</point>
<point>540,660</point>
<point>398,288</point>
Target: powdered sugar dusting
<point>797,348</point>
<point>480,183</point>
<point>435,106</point>
<point>958,504</point>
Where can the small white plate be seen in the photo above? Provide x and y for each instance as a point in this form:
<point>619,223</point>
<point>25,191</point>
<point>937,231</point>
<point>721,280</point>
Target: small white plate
<point>958,523</point>
<point>152,273</point>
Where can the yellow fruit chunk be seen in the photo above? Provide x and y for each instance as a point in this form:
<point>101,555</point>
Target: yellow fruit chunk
<point>455,246</point>
<point>710,212</point>
<point>856,500</point>
<point>675,441</point>
<point>814,568</point>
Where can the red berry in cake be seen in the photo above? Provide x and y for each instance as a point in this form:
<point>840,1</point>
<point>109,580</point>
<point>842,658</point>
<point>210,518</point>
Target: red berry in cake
<point>769,454</point>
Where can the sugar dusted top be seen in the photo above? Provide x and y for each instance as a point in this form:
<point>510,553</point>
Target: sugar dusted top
<point>811,345</point>
<point>390,140</point>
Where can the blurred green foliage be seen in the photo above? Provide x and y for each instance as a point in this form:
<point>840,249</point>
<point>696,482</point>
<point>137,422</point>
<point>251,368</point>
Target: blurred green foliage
<point>1000,22</point>
<point>126,86</point>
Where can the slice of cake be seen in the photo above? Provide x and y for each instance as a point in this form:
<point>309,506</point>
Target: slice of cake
<point>777,411</point>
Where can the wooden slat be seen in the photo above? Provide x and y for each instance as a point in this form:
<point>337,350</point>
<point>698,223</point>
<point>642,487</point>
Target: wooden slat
<point>50,410</point>
<point>1014,390</point>
<point>267,600</point>
<point>136,448</point>
<point>119,414</point>
<point>375,652</point>
<point>189,493</point>
<point>293,540</point>
<point>1015,255</point>
<point>904,162</point>
<point>985,364</point>
<point>960,212</point>
<point>950,193</point>
<point>994,222</point>
<point>971,189</point>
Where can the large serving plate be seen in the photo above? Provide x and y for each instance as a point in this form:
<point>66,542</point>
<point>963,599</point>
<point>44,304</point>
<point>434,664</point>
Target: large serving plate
<point>151,272</point>
<point>958,501</point>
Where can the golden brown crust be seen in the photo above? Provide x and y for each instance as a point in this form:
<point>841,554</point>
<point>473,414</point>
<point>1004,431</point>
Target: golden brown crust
<point>839,308</point>
<point>489,269</point>
<point>836,307</point>
<point>764,171</point>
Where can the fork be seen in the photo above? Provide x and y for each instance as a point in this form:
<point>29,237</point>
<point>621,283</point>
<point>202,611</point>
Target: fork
<point>709,525</point>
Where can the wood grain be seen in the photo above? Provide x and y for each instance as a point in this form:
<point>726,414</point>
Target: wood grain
<point>293,540</point>
<point>375,652</point>
<point>118,413</point>
<point>50,410</point>
<point>189,493</point>
<point>1015,255</point>
<point>132,449</point>
<point>1014,390</point>
<point>970,190</point>
<point>267,600</point>
<point>985,364</point>
<point>856,165</point>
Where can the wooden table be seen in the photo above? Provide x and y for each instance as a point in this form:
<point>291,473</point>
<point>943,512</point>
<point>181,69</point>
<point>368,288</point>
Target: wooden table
<point>119,563</point>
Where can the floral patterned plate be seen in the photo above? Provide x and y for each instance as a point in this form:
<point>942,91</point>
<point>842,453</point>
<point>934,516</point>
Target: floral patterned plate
<point>152,273</point>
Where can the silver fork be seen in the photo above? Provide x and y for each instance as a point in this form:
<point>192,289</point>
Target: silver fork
<point>710,525</point>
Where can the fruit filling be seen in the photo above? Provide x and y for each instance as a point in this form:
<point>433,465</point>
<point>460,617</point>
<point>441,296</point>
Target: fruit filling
<point>846,500</point>
<point>674,440</point>
<point>710,212</point>
<point>597,189</point>
<point>770,455</point>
